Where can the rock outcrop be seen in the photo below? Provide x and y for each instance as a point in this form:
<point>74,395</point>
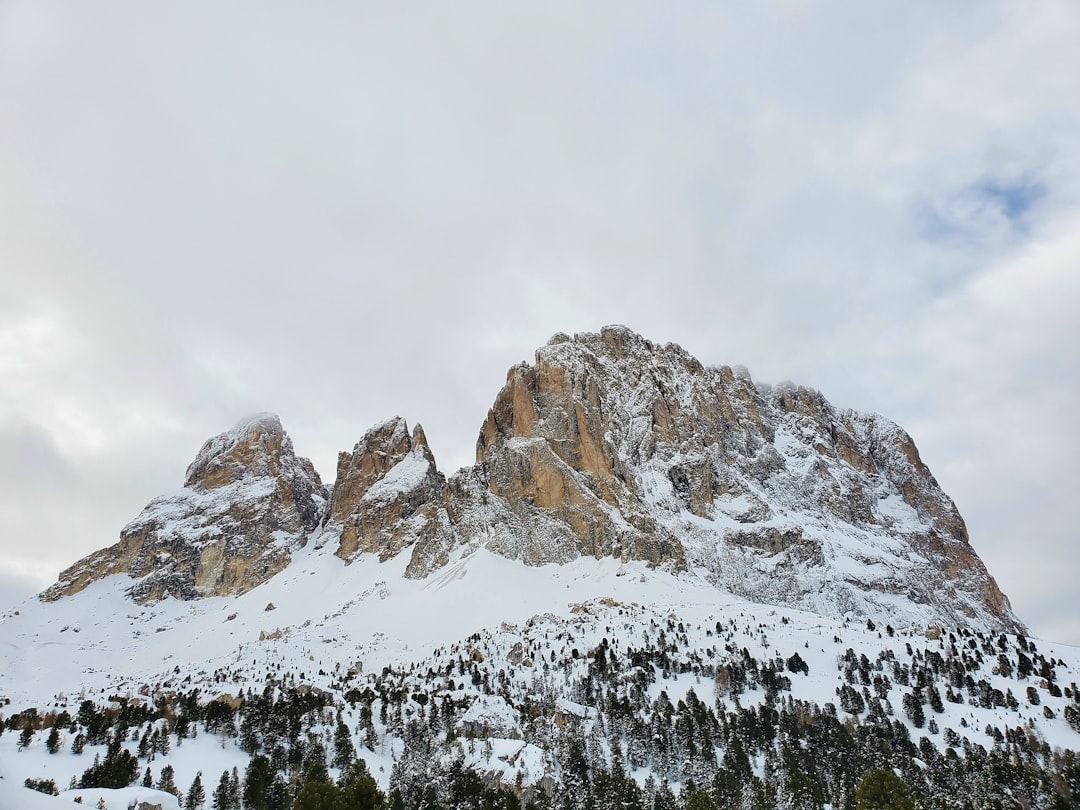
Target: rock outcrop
<point>247,503</point>
<point>377,503</point>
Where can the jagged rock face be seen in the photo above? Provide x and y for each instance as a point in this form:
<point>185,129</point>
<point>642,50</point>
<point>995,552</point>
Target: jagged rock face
<point>637,450</point>
<point>382,488</point>
<point>248,501</point>
<point>607,446</point>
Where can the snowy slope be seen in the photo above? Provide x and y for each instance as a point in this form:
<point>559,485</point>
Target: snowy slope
<point>538,627</point>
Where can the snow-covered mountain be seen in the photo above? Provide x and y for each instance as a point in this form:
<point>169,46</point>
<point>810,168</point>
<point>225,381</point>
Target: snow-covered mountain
<point>627,505</point>
<point>607,446</point>
<point>247,503</point>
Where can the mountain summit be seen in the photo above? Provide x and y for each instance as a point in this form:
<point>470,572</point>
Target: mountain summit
<point>248,501</point>
<point>608,445</point>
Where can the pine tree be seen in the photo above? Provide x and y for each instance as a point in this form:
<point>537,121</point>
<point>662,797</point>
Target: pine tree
<point>319,796</point>
<point>148,778</point>
<point>359,789</point>
<point>47,786</point>
<point>257,782</point>
<point>26,736</point>
<point>1072,717</point>
<point>934,698</point>
<point>196,795</point>
<point>144,743</point>
<point>883,790</point>
<point>220,800</point>
<point>249,735</point>
<point>914,710</point>
<point>52,745</point>
<point>700,800</point>
<point>167,783</point>
<point>344,751</point>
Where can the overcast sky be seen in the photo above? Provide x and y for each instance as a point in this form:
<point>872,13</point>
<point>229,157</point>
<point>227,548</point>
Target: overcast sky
<point>342,211</point>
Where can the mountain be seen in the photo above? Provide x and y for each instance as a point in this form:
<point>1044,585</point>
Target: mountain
<point>607,446</point>
<point>247,503</point>
<point>661,585</point>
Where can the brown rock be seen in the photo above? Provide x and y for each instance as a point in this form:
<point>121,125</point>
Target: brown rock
<point>382,488</point>
<point>247,502</point>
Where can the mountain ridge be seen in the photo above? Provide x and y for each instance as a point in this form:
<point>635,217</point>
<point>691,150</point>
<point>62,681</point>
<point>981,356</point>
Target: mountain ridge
<point>606,445</point>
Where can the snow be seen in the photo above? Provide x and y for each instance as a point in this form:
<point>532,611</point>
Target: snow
<point>405,476</point>
<point>120,799</point>
<point>111,655</point>
<point>492,713</point>
<point>576,709</point>
<point>14,796</point>
<point>331,616</point>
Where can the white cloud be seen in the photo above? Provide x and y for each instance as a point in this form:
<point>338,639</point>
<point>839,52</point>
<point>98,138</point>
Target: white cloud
<point>1000,356</point>
<point>343,211</point>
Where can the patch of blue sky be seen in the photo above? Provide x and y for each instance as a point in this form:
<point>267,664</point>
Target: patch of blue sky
<point>983,211</point>
<point>1013,199</point>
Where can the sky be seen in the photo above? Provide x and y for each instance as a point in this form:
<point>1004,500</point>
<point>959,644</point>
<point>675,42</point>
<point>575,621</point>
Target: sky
<point>345,211</point>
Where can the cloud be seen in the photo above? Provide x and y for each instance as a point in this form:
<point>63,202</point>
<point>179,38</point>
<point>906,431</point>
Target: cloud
<point>30,461</point>
<point>345,211</point>
<point>987,210</point>
<point>1000,355</point>
<point>15,589</point>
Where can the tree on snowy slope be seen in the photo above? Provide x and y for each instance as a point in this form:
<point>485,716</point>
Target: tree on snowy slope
<point>225,796</point>
<point>257,782</point>
<point>118,770</point>
<point>883,790</point>
<point>196,795</point>
<point>167,782</point>
<point>355,791</point>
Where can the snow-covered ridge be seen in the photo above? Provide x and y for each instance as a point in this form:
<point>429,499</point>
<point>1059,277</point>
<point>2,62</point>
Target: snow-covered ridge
<point>608,445</point>
<point>247,503</point>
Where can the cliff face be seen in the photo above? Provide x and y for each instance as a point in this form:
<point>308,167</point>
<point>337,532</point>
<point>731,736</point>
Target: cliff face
<point>382,487</point>
<point>643,453</point>
<point>247,502</point>
<point>607,445</point>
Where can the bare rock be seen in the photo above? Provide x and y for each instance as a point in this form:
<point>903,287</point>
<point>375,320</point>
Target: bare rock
<point>382,487</point>
<point>609,444</point>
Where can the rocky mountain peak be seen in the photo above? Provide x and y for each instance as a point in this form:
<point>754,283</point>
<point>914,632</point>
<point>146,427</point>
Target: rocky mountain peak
<point>607,445</point>
<point>248,501</point>
<point>381,484</point>
<point>640,451</point>
<point>254,447</point>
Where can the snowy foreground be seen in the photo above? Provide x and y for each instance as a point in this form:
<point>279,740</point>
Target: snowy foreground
<point>14,796</point>
<point>485,633</point>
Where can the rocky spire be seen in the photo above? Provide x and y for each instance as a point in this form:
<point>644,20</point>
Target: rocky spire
<point>619,446</point>
<point>386,480</point>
